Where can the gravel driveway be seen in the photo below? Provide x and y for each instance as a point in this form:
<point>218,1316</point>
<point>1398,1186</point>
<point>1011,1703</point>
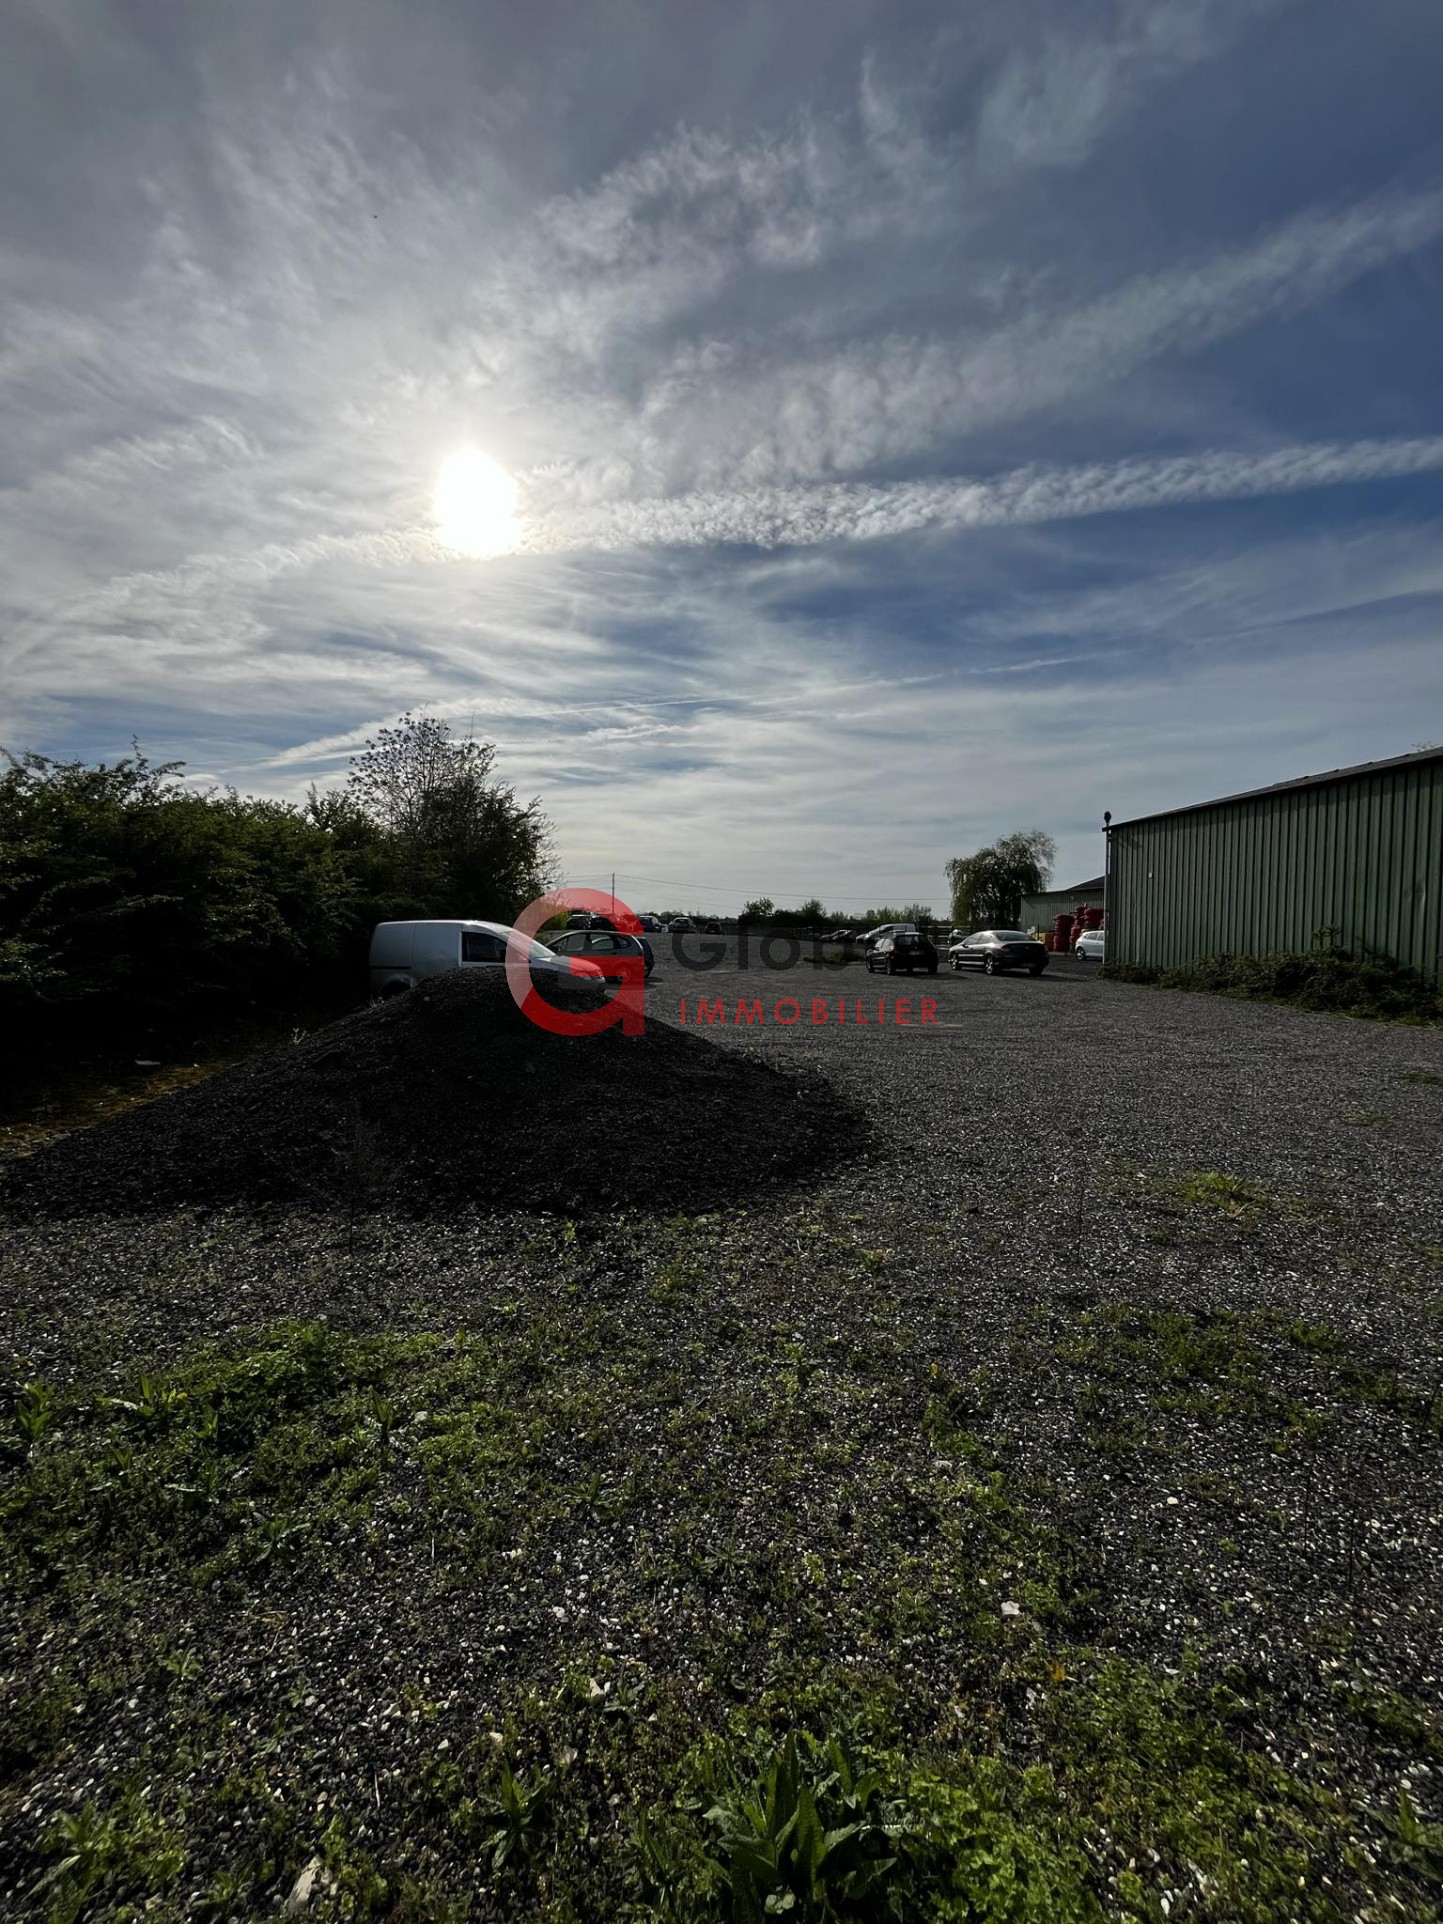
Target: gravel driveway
<point>1149,1283</point>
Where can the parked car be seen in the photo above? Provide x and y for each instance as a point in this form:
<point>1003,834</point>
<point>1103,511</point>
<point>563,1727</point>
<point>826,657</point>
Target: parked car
<point>996,950</point>
<point>683,925</point>
<point>405,953</point>
<point>651,924</point>
<point>598,944</point>
<point>838,935</point>
<point>579,919</point>
<point>873,936</point>
<point>905,951</point>
<point>711,927</point>
<point>1091,945</point>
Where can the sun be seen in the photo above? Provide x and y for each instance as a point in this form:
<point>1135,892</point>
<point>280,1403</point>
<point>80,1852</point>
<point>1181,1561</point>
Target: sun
<point>475,505</point>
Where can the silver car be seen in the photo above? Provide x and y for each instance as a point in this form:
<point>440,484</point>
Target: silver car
<point>598,944</point>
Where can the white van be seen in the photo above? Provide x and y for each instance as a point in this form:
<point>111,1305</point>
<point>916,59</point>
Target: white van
<point>403,953</point>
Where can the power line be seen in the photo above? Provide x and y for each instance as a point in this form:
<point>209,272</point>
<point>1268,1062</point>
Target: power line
<point>713,888</point>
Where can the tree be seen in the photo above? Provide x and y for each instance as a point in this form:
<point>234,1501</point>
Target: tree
<point>988,887</point>
<point>758,911</point>
<point>463,843</point>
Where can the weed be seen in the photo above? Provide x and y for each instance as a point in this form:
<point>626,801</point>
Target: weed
<point>512,1818</point>
<point>1416,1846</point>
<point>34,1413</point>
<point>102,1853</point>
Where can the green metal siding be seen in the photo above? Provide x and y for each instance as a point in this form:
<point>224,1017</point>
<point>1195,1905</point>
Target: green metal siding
<point>1038,910</point>
<point>1362,854</point>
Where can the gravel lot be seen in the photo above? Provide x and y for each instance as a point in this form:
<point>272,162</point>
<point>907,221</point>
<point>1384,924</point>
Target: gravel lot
<point>1161,1273</point>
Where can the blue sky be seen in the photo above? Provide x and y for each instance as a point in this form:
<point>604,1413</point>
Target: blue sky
<point>926,421</point>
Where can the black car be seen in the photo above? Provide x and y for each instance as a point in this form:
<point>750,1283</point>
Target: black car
<point>711,927</point>
<point>996,950</point>
<point>597,944</point>
<point>905,951</point>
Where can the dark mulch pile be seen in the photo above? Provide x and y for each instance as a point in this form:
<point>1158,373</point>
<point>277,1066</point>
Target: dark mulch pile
<point>446,1098</point>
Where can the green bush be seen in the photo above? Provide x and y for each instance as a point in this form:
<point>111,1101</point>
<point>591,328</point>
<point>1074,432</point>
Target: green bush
<point>126,896</point>
<point>1326,979</point>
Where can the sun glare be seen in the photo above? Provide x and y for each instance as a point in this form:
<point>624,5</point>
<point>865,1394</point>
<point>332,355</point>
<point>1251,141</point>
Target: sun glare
<point>475,505</point>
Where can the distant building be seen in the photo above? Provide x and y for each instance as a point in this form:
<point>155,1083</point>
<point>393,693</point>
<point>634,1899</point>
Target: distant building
<point>1353,857</point>
<point>1040,911</point>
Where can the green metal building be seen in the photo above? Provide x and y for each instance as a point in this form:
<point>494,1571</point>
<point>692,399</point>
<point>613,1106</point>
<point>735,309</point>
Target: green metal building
<point>1357,852</point>
<point>1038,911</point>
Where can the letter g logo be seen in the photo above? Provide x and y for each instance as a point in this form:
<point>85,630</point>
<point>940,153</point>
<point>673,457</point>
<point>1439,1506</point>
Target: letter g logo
<point>627,1006</point>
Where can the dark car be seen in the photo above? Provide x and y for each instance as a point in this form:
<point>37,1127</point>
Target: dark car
<point>996,950</point>
<point>651,924</point>
<point>711,927</point>
<point>905,951</point>
<point>597,944</point>
<point>838,935</point>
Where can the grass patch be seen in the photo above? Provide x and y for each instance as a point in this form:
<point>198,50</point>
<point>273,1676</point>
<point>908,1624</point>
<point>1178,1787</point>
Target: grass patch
<point>1210,1195</point>
<point>896,1697</point>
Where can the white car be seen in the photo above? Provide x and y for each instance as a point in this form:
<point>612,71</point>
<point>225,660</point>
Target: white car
<point>1091,945</point>
<point>404,953</point>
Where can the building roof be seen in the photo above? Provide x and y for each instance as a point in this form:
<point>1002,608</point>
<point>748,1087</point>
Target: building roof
<point>1076,888</point>
<point>1282,788</point>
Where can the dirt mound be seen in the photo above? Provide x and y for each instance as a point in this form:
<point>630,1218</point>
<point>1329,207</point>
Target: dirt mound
<point>449,1098</point>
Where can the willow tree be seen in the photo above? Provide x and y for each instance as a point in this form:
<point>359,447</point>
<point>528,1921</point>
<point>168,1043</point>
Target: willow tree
<point>988,887</point>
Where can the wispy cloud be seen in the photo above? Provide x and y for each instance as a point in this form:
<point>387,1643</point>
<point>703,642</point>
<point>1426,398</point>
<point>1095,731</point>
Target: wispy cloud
<point>901,398</point>
<point>808,516</point>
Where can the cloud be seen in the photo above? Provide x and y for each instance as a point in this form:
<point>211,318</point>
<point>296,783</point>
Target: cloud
<point>811,334</point>
<point>901,398</point>
<point>1054,99</point>
<point>809,516</point>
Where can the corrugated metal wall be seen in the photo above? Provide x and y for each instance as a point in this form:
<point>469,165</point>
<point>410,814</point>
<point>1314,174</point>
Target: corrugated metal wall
<point>1038,910</point>
<point>1362,854</point>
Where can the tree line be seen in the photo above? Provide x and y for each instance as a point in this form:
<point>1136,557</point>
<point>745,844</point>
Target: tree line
<point>985,890</point>
<point>127,897</point>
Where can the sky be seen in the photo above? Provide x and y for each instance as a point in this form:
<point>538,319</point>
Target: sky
<point>920,421</point>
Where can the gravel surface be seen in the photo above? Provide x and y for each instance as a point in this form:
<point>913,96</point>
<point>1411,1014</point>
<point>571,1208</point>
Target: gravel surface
<point>1172,1266</point>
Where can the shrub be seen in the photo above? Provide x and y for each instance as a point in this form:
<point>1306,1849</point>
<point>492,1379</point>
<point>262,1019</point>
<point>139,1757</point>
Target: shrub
<point>1325,979</point>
